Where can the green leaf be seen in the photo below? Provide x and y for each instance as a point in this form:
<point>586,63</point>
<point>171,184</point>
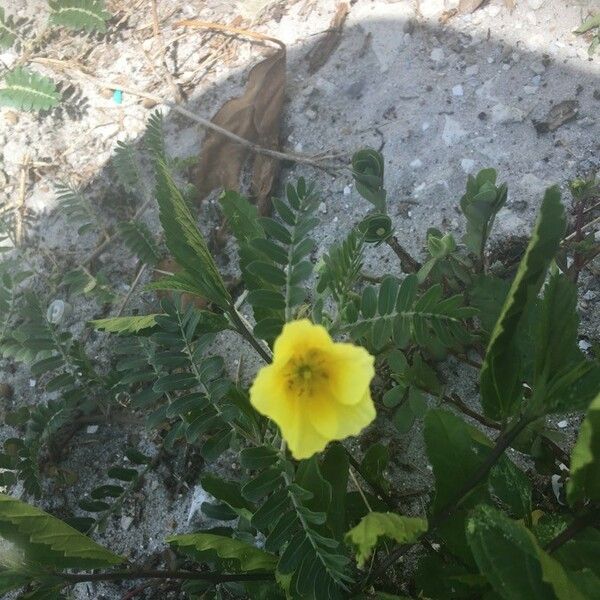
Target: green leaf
<point>374,463</point>
<point>482,200</point>
<point>186,243</point>
<point>591,22</point>
<point>585,458</point>
<point>11,580</point>
<point>139,240</point>
<point>242,217</point>
<point>229,493</point>
<point>451,469</point>
<point>501,389</point>
<point>368,171</point>
<point>125,325</point>
<point>79,14</point>
<point>512,561</point>
<point>26,90</point>
<point>249,557</point>
<point>8,34</point>
<point>509,485</point>
<point>334,469</point>
<point>49,541</point>
<point>404,530</point>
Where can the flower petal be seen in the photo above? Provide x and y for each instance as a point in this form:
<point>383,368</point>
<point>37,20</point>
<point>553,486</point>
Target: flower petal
<point>352,371</point>
<point>355,417</point>
<point>298,336</point>
<point>267,394</point>
<point>323,412</point>
<point>302,438</point>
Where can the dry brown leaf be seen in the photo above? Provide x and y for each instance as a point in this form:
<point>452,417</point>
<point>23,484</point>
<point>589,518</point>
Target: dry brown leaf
<point>320,54</point>
<point>510,4</point>
<point>469,6</point>
<point>255,116</point>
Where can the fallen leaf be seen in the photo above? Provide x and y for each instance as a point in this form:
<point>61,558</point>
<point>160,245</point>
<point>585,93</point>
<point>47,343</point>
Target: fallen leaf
<point>558,115</point>
<point>325,47</point>
<point>510,4</point>
<point>254,116</point>
<point>469,6</point>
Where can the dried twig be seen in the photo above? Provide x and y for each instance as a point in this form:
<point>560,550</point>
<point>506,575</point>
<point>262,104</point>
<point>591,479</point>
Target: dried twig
<point>131,289</point>
<point>20,206</point>
<point>319,163</point>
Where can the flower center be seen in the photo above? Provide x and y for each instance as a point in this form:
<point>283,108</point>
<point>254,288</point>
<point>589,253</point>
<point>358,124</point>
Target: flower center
<point>305,374</point>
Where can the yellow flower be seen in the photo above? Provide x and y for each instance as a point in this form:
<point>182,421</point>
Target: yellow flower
<point>315,389</point>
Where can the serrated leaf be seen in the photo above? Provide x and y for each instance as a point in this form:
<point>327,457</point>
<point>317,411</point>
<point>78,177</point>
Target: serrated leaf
<point>501,374</point>
<point>186,243</point>
<point>8,35</point>
<point>26,90</point>
<point>249,557</point>
<point>125,325</point>
<point>404,530</point>
<point>47,540</point>
<point>139,240</point>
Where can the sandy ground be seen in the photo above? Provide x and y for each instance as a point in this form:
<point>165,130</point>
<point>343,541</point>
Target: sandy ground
<point>440,99</point>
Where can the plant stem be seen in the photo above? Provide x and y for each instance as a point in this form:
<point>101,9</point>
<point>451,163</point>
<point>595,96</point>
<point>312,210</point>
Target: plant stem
<point>578,524</point>
<point>407,262</point>
<point>158,574</point>
<point>502,443</point>
<point>244,330</point>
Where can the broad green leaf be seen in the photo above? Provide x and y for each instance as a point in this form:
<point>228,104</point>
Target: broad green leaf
<point>47,540</point>
<point>581,552</point>
<point>374,463</point>
<point>185,241</point>
<point>511,487</point>
<point>404,530</point>
<point>249,557</point>
<point>500,383</point>
<point>11,580</point>
<point>585,458</point>
<point>512,561</point>
<point>125,325</point>
<point>229,493</point>
<point>452,452</point>
<point>334,469</point>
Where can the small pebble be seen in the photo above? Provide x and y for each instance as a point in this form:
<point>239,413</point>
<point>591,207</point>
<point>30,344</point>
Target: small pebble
<point>416,164</point>
<point>584,345</point>
<point>589,295</point>
<point>323,208</point>
<point>437,55</point>
<point>32,383</point>
<point>91,429</point>
<point>347,190</point>
<point>467,165</point>
<point>425,126</point>
<point>457,90</point>
<point>562,424</point>
<point>472,70</point>
<point>298,147</point>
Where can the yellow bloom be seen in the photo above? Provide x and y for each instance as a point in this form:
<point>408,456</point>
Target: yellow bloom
<point>315,389</point>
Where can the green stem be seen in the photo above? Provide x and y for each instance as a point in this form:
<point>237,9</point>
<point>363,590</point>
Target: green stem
<point>157,574</point>
<point>243,329</point>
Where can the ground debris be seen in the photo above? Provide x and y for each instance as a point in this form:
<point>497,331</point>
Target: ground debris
<point>558,115</point>
<point>321,52</point>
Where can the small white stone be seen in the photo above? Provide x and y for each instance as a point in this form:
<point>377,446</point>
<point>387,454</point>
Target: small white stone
<point>310,114</point>
<point>91,429</point>
<point>426,125</point>
<point>467,164</point>
<point>530,90</point>
<point>537,67</point>
<point>453,132</point>
<point>472,70</point>
<point>506,114</point>
<point>457,90</point>
<point>506,67</point>
<point>557,486</point>
<point>126,522</point>
<point>493,10</point>
<point>298,147</point>
<point>416,164</point>
<point>584,345</point>
<point>409,214</point>
<point>32,383</point>
<point>437,55</point>
<point>323,208</point>
<point>589,295</point>
<point>347,190</point>
<point>562,424</point>
<point>490,60</point>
